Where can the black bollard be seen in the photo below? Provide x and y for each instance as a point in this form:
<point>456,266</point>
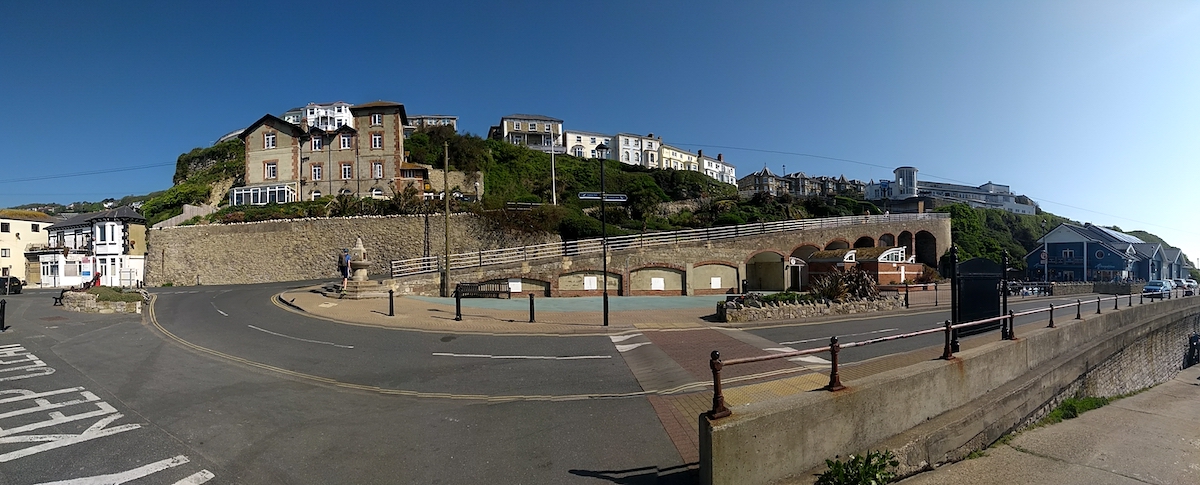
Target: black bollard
<point>1051,317</point>
<point>906,295</point>
<point>531,308</point>
<point>1097,305</point>
<point>3,303</point>
<point>1078,309</point>
<point>457,306</point>
<point>391,302</point>
<point>1116,303</point>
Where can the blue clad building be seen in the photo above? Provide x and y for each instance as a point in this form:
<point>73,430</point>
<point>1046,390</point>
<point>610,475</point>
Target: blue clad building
<point>1093,253</point>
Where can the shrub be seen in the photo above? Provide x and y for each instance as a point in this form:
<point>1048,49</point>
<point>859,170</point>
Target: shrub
<point>1072,407</point>
<point>108,293</point>
<point>871,469</point>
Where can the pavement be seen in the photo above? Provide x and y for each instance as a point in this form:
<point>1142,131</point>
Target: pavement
<point>1150,437</point>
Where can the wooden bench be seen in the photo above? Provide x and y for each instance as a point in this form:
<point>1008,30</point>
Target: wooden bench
<point>482,290</point>
<point>58,299</point>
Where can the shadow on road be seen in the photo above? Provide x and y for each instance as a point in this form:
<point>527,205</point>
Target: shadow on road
<point>677,475</point>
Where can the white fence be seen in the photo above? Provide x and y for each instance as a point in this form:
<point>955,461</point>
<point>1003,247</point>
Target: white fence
<point>432,264</point>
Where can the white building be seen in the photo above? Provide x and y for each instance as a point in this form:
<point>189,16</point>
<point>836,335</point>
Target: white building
<point>328,117</point>
<point>718,168</point>
<point>537,132</point>
<point>679,159</point>
<point>636,149</point>
<point>110,243</point>
<point>989,196</point>
<point>583,144</point>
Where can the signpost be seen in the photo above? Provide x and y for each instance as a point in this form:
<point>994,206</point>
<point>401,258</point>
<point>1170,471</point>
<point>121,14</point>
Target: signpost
<point>607,197</point>
<point>603,197</point>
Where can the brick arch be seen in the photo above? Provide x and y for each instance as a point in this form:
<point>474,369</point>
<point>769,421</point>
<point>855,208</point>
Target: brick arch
<point>887,240</point>
<point>864,242</point>
<point>926,248</point>
<point>674,280</point>
<point>659,265</point>
<point>761,251</point>
<point>765,271</point>
<point>575,288</point>
<point>802,251</point>
<point>725,273</point>
<point>838,243</point>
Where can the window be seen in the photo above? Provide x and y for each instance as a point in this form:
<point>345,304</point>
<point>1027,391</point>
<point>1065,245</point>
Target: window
<point>316,194</point>
<point>625,156</point>
<point>269,171</point>
<point>516,125</point>
<point>547,127</point>
<point>377,170</point>
<point>345,141</point>
<point>268,140</point>
<point>1099,254</point>
<point>376,119</point>
<point>344,192</point>
<point>34,227</point>
<point>1068,254</point>
<point>347,170</point>
<point>376,140</point>
<point>377,192</point>
<point>592,140</point>
<point>316,172</point>
<point>579,152</point>
<point>532,126</point>
<point>4,227</point>
<point>579,139</point>
<point>637,156</point>
<point>316,143</point>
<point>593,153</point>
<point>4,253</point>
<point>626,142</point>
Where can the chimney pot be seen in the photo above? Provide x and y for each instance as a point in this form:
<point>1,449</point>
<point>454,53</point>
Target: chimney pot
<point>720,158</point>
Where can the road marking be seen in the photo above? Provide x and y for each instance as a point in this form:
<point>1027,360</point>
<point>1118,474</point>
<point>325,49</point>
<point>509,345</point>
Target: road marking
<point>197,478</point>
<point>628,347</point>
<point>622,338</point>
<point>826,339</point>
<point>218,309</point>
<point>126,476</point>
<point>811,359</point>
<point>301,339</point>
<point>523,357</point>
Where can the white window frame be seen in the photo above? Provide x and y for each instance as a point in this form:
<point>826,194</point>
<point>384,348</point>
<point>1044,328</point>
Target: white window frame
<point>376,119</point>
<point>345,141</point>
<point>516,125</point>
<point>316,194</point>
<point>316,143</point>
<point>377,170</point>
<point>347,171</point>
<point>316,172</point>
<point>269,140</point>
<point>532,126</point>
<point>376,140</point>
<point>270,171</point>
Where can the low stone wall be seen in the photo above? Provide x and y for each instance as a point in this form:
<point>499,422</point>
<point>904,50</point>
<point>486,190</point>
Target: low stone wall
<point>937,411</point>
<point>1065,289</point>
<point>77,301</point>
<point>734,313</point>
<point>1118,288</point>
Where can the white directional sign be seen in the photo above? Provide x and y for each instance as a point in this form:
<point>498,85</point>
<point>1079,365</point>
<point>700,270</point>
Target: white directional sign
<point>607,197</point>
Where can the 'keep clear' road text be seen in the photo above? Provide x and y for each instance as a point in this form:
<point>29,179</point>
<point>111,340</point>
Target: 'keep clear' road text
<point>25,413</point>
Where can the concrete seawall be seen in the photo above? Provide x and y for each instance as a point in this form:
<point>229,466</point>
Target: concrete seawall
<point>940,411</point>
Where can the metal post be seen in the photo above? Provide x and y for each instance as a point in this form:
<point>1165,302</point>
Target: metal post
<point>446,197</point>
<point>906,295</point>
<point>3,303</point>
<point>604,240</point>
<point>718,401</point>
<point>1130,301</point>
<point>1051,316</point>
<point>1078,309</point>
<point>1116,302</point>
<point>391,302</point>
<point>1012,326</point>
<point>935,293</point>
<point>954,296</point>
<point>457,304</point>
<point>835,380</point>
<point>946,353</point>
<point>1097,305</point>
<point>1141,298</point>
<point>1004,284</point>
<point>531,308</point>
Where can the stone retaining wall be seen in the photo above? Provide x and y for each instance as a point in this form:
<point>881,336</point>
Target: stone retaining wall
<point>729,312</point>
<point>1065,289</point>
<point>306,249</point>
<point>77,301</point>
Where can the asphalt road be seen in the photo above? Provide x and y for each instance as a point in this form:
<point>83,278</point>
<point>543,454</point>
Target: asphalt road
<point>219,385</point>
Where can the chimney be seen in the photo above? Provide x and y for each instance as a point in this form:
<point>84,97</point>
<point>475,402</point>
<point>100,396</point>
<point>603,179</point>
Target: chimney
<point>650,136</point>
<point>720,158</point>
<point>699,153</point>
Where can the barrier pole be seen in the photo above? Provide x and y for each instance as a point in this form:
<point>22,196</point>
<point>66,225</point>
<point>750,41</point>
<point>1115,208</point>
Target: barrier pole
<point>1116,302</point>
<point>1097,305</point>
<point>1051,316</point>
<point>1078,309</point>
<point>946,353</point>
<point>835,379</point>
<point>457,305</point>
<point>531,308</point>
<point>1012,326</point>
<point>718,401</point>
<point>391,302</point>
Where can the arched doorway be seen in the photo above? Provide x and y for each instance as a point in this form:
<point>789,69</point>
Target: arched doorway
<point>926,248</point>
<point>798,269</point>
<point>887,240</point>
<point>764,272</point>
<point>906,240</point>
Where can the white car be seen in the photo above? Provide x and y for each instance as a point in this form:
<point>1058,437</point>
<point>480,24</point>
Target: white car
<point>1191,283</point>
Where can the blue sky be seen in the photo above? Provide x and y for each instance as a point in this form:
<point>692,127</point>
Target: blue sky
<point>1089,107</point>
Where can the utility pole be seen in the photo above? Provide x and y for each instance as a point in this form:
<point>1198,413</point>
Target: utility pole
<point>553,182</point>
<point>446,197</point>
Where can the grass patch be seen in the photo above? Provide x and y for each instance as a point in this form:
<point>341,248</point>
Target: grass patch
<point>1072,407</point>
<point>106,293</point>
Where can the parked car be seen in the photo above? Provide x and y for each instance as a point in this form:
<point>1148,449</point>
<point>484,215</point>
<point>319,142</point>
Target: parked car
<point>1156,289</point>
<point>1191,283</point>
<point>1179,283</point>
<point>10,285</point>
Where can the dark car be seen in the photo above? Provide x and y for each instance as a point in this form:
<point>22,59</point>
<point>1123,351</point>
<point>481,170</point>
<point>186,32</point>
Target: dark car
<point>10,285</point>
<point>1156,289</point>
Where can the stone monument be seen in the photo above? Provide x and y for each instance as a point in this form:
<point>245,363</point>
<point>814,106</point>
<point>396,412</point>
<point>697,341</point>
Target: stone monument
<point>360,286</point>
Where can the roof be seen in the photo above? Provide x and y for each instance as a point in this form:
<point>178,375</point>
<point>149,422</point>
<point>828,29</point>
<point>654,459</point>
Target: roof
<point>123,213</point>
<point>765,172</point>
<point>830,255</point>
<point>378,104</point>
<point>530,117</point>
<point>25,215</point>
<point>1106,234</point>
<point>1171,254</point>
<point>870,254</point>
<point>293,129</point>
<point>1147,250</point>
<point>589,133</point>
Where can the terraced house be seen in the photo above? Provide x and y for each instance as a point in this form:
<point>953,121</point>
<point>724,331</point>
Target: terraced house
<point>20,230</point>
<point>1071,252</point>
<point>110,244</point>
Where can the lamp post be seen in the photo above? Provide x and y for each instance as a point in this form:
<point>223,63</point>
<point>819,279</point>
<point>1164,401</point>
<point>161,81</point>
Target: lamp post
<point>601,150</point>
<point>553,179</point>
<point>1045,255</point>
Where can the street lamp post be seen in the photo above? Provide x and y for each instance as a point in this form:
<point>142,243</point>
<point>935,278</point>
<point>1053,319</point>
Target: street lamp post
<point>1045,255</point>
<point>553,179</point>
<point>601,149</point>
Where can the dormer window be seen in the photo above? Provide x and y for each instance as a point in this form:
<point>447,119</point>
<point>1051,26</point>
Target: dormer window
<point>268,140</point>
<point>376,119</point>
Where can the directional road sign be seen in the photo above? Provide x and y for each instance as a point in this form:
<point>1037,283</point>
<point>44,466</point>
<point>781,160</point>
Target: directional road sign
<point>607,197</point>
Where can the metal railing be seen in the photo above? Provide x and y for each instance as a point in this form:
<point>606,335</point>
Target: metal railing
<point>431,264</point>
<point>1007,332</point>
